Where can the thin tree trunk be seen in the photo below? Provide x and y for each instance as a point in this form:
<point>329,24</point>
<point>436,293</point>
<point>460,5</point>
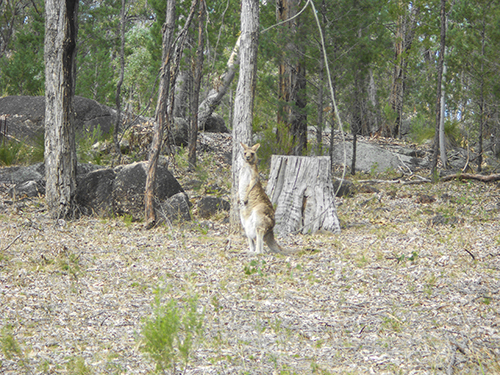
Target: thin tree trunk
<point>244,98</point>
<point>319,128</point>
<point>292,81</point>
<point>162,119</point>
<point>481,104</point>
<point>442,143</point>
<point>119,84</point>
<point>193,134</point>
<point>405,34</point>
<point>163,110</point>
<point>439,82</point>
<point>60,148</point>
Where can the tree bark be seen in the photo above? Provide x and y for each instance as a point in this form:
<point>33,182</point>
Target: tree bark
<point>481,102</point>
<point>405,34</point>
<point>162,118</point>
<point>60,149</point>
<point>215,95</point>
<point>244,99</point>
<point>119,84</point>
<point>439,82</point>
<point>301,188</point>
<point>292,81</point>
<point>442,141</point>
<point>193,133</point>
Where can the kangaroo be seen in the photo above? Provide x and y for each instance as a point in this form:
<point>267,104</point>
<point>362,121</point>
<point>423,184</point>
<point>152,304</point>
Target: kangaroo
<point>256,210</point>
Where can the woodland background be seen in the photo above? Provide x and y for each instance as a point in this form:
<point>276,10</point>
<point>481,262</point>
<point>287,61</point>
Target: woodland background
<point>383,57</point>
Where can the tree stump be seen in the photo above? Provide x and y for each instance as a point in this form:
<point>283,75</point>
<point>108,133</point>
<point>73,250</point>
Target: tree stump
<point>301,189</point>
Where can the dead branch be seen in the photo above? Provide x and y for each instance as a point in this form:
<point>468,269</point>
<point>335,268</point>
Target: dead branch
<point>469,176</point>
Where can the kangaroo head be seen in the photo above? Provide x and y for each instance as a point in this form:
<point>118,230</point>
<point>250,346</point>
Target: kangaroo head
<point>250,153</point>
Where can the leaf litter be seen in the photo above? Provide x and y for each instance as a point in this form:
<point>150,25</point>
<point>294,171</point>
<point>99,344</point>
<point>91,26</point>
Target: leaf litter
<point>395,292</point>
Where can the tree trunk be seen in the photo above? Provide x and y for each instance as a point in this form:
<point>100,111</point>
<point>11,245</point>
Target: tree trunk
<point>215,95</point>
<point>301,188</point>
<point>405,32</point>
<point>182,88</point>
<point>244,99</point>
<point>119,84</point>
<point>481,104</point>
<point>442,143</point>
<point>162,119</point>
<point>60,149</point>
<point>292,81</point>
<point>193,133</point>
<point>439,77</point>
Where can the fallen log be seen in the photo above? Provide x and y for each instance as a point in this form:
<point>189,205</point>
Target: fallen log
<point>470,176</point>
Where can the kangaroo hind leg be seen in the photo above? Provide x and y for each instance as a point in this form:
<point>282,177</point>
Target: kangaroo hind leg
<point>260,242</point>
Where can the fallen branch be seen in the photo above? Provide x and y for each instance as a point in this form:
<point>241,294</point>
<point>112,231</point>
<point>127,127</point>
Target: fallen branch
<point>14,240</point>
<point>469,176</point>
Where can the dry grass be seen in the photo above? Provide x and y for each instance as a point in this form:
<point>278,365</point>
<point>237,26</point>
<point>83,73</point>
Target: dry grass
<point>393,293</point>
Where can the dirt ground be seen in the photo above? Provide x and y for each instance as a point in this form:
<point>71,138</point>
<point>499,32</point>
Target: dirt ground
<point>411,285</point>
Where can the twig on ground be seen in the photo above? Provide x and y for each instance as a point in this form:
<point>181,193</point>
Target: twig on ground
<point>14,240</point>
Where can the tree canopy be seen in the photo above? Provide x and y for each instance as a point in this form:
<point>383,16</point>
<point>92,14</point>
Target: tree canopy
<point>383,56</point>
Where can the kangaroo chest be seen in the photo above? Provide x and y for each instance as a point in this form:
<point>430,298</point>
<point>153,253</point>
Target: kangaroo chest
<point>245,178</point>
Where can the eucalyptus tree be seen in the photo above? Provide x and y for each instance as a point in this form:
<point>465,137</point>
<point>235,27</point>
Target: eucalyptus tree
<point>244,98</point>
<point>60,151</point>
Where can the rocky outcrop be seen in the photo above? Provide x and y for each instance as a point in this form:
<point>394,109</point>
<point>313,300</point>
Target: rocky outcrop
<point>26,116</point>
<point>103,191</point>
<point>373,158</point>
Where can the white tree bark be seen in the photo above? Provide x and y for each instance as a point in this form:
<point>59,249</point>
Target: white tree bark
<point>60,149</point>
<point>301,188</point>
<point>442,143</point>
<point>244,99</point>
<point>215,95</point>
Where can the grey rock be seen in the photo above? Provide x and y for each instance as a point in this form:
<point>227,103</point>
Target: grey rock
<point>370,157</point>
<point>215,124</point>
<point>208,206</point>
<point>94,192</point>
<point>26,116</point>
<point>176,208</point>
<point>129,184</point>
<point>27,189</point>
<point>343,188</point>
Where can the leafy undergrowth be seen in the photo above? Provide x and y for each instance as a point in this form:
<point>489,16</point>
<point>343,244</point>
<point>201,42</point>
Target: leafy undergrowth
<point>411,285</point>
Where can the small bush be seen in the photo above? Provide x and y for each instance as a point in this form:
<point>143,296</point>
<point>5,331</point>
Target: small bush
<point>270,144</point>
<point>169,335</point>
<point>15,152</point>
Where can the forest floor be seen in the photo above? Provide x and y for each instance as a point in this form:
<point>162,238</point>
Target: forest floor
<point>411,285</point>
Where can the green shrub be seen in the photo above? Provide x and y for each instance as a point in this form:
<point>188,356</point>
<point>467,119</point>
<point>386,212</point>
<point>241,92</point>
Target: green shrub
<point>170,335</point>
<point>84,145</point>
<point>270,144</point>
<point>10,152</point>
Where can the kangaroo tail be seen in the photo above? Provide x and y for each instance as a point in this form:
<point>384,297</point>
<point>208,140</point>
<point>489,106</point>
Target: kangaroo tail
<point>271,242</point>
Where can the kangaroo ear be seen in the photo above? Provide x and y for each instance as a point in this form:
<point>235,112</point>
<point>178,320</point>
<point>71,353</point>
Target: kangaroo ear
<point>256,147</point>
<point>243,145</point>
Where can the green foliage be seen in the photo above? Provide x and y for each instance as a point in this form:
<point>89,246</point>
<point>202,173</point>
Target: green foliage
<point>15,153</point>
<point>85,142</point>
<point>271,144</point>
<point>12,349</point>
<point>170,335</point>
<point>77,366</point>
<point>255,267</point>
<point>22,71</point>
<point>421,129</point>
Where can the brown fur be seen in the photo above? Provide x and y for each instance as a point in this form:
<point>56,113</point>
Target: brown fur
<point>256,210</point>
